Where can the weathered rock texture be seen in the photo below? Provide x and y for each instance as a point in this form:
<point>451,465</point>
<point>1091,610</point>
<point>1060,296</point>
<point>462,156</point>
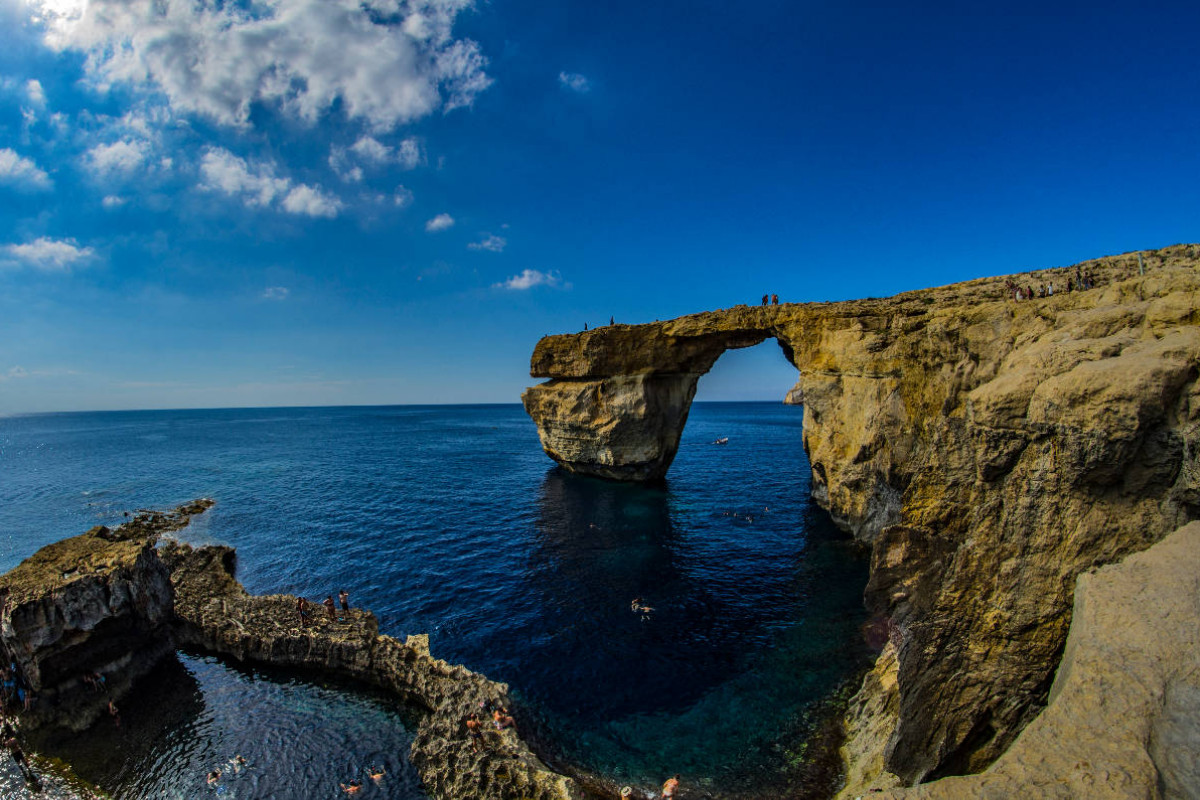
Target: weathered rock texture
<point>102,602</point>
<point>216,614</point>
<point>1124,716</point>
<point>989,450</point>
<point>113,602</point>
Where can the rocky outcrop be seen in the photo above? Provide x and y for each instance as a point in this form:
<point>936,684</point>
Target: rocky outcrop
<point>115,601</point>
<point>1124,715</point>
<point>99,602</point>
<point>988,450</point>
<point>795,395</point>
<point>216,614</point>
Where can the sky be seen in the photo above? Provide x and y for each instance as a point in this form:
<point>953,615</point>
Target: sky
<point>222,203</point>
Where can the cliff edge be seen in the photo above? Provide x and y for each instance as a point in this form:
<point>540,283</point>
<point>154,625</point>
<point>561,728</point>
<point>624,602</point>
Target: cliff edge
<point>988,449</point>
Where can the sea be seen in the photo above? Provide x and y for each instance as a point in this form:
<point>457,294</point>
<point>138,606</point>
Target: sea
<point>451,521</point>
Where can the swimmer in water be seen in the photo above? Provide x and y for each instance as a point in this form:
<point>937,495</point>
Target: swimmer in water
<point>237,762</point>
<point>351,787</point>
<point>214,777</point>
<point>376,773</point>
<point>638,607</point>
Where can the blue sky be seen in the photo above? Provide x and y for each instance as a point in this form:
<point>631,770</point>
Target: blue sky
<point>312,202</point>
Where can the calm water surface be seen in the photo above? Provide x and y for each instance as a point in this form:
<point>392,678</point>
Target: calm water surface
<point>450,520</point>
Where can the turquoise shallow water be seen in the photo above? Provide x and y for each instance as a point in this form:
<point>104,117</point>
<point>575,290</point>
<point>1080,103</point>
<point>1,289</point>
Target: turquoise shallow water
<point>450,520</point>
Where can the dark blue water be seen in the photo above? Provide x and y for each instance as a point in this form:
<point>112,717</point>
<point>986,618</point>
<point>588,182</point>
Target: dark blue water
<point>450,520</point>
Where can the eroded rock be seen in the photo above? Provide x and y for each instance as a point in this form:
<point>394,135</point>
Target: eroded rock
<point>989,450</point>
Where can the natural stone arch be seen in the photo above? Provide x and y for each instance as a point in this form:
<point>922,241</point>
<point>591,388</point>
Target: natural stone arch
<point>618,412</point>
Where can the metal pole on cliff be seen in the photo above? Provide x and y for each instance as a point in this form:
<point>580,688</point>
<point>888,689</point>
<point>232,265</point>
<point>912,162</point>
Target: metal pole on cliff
<point>1141,265</point>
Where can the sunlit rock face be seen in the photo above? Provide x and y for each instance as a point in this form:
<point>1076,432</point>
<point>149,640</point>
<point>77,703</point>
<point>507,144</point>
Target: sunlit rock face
<point>989,450</point>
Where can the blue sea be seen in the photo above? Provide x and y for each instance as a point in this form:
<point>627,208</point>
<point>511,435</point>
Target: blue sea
<point>451,520</point>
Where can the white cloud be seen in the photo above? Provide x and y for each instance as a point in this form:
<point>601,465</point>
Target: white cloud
<point>224,172</point>
<point>276,293</point>
<point>530,278</point>
<point>35,93</point>
<point>575,82</point>
<point>491,243</point>
<point>22,173</point>
<point>402,197</point>
<point>408,154</point>
<point>382,62</point>
<point>313,202</point>
<point>439,223</point>
<point>371,149</point>
<point>122,156</point>
<point>49,255</point>
<point>113,201</point>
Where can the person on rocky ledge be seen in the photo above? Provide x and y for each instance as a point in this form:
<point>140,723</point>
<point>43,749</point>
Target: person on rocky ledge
<point>302,610</point>
<point>330,609</point>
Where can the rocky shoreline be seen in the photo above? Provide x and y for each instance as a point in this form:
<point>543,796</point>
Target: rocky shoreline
<point>113,602</point>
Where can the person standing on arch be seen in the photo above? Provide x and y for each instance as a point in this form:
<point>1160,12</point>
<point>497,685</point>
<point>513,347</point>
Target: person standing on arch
<point>774,299</point>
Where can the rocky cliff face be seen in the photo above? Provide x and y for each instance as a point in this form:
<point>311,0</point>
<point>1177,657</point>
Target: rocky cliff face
<point>101,602</point>
<point>988,450</point>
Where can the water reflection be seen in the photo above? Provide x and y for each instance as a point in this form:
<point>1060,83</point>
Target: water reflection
<point>755,624</point>
<point>195,714</point>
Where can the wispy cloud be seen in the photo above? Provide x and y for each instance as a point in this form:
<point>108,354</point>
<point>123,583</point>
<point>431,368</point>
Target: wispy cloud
<point>14,373</point>
<point>402,197</point>
<point>276,293</point>
<point>348,162</point>
<point>530,278</point>
<point>112,201</point>
<point>35,94</point>
<point>49,255</point>
<point>439,223</point>
<point>257,186</point>
<point>491,243</point>
<point>575,82</point>
<point>21,172</point>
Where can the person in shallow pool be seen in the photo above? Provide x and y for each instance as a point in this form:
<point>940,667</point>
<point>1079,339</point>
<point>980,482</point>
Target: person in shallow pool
<point>671,786</point>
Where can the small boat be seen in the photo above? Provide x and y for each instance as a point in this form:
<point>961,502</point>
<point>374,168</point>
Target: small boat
<point>722,440</point>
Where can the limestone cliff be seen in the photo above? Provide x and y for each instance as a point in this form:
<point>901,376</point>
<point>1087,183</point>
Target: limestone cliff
<point>988,449</point>
<point>99,602</point>
<point>1124,714</point>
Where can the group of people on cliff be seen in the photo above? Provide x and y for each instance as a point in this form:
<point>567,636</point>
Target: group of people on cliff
<point>772,298</point>
<point>302,608</point>
<point>1084,279</point>
<point>501,720</point>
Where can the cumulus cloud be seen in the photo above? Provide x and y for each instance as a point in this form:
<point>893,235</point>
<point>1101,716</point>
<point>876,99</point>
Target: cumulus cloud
<point>21,172</point>
<point>530,278</point>
<point>49,255</point>
<point>123,156</point>
<point>491,243</point>
<point>575,82</point>
<point>275,293</point>
<point>257,186</point>
<point>439,223</point>
<point>382,62</point>
<point>305,199</point>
